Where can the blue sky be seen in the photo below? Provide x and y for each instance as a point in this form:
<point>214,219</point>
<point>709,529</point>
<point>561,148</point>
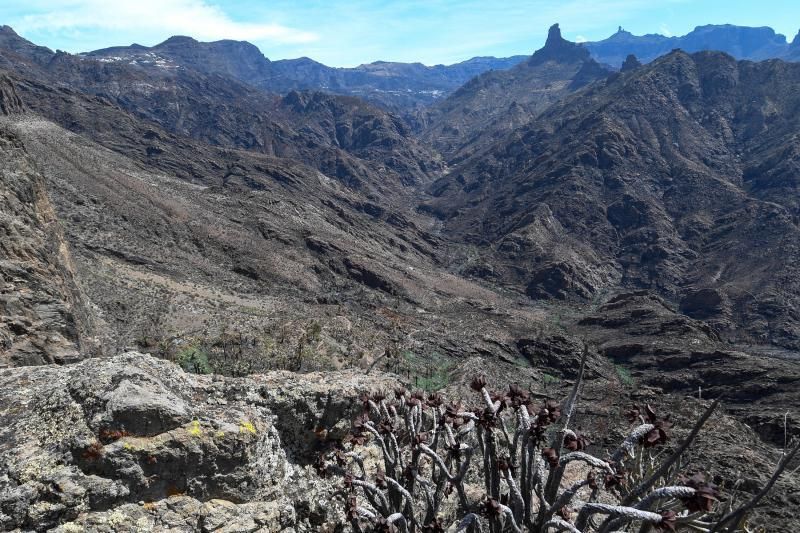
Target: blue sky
<point>348,33</point>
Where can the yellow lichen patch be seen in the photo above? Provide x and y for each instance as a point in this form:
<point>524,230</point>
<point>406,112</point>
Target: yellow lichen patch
<point>219,434</point>
<point>127,446</point>
<point>194,428</point>
<point>37,468</point>
<point>116,519</point>
<point>143,526</point>
<point>247,427</point>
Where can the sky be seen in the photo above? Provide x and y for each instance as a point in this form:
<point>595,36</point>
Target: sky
<point>349,33</point>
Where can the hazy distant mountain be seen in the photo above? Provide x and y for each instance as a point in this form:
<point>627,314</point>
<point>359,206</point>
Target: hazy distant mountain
<point>741,42</point>
<point>396,85</point>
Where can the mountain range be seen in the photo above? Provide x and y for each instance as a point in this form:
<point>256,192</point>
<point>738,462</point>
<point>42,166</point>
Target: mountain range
<point>196,198</point>
<point>401,86</point>
<point>395,85</point>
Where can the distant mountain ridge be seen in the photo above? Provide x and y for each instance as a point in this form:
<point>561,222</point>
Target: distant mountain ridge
<point>408,85</point>
<point>742,42</point>
<point>394,85</point>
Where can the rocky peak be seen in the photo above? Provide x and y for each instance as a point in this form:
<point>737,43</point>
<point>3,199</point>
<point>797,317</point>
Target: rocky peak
<point>10,40</point>
<point>554,36</point>
<point>296,100</point>
<point>232,49</point>
<point>558,49</point>
<point>621,34</point>
<point>238,59</point>
<point>630,63</point>
<point>177,40</point>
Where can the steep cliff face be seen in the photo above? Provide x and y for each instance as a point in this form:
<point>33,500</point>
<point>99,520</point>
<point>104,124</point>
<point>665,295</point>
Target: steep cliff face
<point>10,102</point>
<point>42,314</point>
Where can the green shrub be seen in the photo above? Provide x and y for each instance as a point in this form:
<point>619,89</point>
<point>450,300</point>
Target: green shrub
<point>195,360</point>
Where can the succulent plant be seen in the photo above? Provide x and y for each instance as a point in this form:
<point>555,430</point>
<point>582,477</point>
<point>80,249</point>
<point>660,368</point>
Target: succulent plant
<point>430,448</point>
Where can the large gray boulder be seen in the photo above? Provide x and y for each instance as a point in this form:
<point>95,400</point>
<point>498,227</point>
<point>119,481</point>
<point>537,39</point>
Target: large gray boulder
<point>132,443</point>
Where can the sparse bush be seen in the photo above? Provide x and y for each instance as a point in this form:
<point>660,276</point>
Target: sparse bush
<point>523,455</point>
<point>231,351</point>
<point>549,379</point>
<point>313,331</point>
<point>624,376</point>
<point>430,373</point>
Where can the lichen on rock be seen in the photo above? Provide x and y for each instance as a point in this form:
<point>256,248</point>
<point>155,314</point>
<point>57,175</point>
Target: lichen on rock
<point>132,443</point>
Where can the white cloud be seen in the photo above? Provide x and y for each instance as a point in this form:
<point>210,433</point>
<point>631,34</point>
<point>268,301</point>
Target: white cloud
<point>581,39</point>
<point>196,18</point>
<point>665,30</point>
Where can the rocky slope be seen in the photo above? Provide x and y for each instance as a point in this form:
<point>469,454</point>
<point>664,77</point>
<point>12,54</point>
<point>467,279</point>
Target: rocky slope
<point>672,177</point>
<point>649,213</point>
<point>178,242</point>
<point>368,148</point>
<point>172,246</point>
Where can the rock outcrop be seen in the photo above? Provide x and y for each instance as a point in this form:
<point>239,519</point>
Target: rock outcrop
<point>630,63</point>
<point>129,442</point>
